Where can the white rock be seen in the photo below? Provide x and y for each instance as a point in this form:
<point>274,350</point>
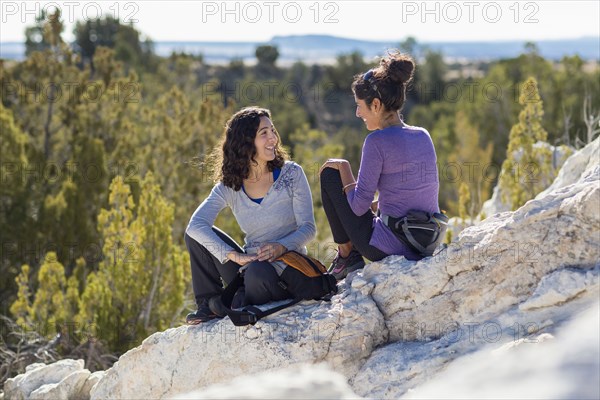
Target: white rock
<point>393,368</point>
<point>343,333</point>
<point>566,367</point>
<point>21,386</point>
<point>575,166</point>
<point>524,341</point>
<point>303,381</point>
<point>456,225</point>
<point>33,366</point>
<point>401,368</point>
<point>84,392</point>
<point>66,389</point>
<point>561,286</point>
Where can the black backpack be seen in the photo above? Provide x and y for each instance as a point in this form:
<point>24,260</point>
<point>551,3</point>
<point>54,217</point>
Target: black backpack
<point>304,277</point>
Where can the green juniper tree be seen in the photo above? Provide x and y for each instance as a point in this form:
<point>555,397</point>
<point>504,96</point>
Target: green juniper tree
<point>527,169</point>
<point>140,285</point>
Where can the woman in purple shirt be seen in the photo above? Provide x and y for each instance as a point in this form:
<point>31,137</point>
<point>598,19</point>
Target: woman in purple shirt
<point>398,161</point>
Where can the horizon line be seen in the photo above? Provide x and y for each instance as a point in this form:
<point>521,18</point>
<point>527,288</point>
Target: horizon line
<point>352,39</point>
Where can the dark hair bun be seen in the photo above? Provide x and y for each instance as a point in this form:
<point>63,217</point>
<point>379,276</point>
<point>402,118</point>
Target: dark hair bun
<point>399,67</point>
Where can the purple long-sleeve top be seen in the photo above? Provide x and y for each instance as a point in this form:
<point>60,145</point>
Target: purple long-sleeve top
<point>400,163</point>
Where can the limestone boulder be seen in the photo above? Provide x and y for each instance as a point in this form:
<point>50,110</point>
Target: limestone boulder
<point>68,372</point>
<point>342,333</point>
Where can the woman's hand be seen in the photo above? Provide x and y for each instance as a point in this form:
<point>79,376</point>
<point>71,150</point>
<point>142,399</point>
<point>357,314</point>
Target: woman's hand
<point>334,163</point>
<point>241,258</point>
<point>270,251</point>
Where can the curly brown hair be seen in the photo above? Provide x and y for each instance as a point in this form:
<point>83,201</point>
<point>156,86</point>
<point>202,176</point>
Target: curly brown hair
<point>232,157</point>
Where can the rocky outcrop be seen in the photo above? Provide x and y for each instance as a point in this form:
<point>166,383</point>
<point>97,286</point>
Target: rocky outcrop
<point>343,334</point>
<point>481,278</point>
<point>398,324</point>
<point>494,265</point>
<point>562,365</point>
<point>574,167</point>
<point>402,368</point>
<point>65,379</point>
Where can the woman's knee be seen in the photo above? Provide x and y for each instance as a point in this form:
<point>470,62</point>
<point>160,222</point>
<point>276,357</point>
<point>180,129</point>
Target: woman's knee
<point>330,180</point>
<point>262,284</point>
<point>329,173</point>
<point>259,271</point>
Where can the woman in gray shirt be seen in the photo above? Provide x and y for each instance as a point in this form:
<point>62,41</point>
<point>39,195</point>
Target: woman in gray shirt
<point>272,203</point>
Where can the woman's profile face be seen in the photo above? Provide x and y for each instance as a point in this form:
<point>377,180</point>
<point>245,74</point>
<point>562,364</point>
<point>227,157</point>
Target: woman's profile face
<point>369,117</point>
<point>265,141</point>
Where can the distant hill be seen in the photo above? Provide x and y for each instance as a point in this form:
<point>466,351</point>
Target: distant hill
<point>324,49</point>
<point>307,46</point>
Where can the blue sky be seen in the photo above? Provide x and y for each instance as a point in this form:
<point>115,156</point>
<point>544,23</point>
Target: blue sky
<point>369,20</point>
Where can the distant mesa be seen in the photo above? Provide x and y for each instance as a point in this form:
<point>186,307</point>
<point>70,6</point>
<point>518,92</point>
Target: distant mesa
<point>313,49</point>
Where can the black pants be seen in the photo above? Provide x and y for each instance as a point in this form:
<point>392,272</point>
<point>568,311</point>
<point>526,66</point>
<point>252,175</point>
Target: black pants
<point>345,225</point>
<point>260,278</point>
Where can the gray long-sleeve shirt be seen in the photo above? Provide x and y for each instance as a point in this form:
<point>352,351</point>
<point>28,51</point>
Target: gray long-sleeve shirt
<point>285,214</point>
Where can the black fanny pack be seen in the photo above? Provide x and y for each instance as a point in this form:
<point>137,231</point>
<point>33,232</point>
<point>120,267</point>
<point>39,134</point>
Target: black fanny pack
<point>420,230</point>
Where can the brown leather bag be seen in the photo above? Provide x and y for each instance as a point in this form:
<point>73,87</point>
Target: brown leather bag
<point>309,266</point>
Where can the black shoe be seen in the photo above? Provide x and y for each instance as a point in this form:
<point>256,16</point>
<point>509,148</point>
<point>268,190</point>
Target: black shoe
<point>342,266</point>
<point>202,314</point>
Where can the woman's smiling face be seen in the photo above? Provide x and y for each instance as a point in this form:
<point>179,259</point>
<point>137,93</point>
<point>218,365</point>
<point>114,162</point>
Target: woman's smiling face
<point>370,118</point>
<point>265,141</point>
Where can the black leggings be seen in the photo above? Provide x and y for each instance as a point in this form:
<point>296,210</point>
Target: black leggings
<point>260,278</point>
<point>345,225</point>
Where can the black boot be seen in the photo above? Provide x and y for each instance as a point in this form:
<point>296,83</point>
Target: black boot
<point>202,314</point>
